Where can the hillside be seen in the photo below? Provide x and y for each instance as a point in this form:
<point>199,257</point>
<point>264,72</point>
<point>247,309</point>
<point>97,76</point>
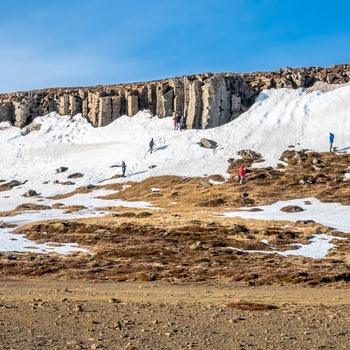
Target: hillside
<point>178,253</point>
<point>63,169</point>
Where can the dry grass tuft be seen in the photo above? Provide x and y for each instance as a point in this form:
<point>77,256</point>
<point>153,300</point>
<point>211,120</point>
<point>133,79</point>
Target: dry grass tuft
<point>250,306</point>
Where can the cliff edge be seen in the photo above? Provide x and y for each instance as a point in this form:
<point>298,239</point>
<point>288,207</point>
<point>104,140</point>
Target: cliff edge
<point>207,100</point>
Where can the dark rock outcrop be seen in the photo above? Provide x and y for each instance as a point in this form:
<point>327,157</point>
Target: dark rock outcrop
<point>207,100</point>
<point>30,193</point>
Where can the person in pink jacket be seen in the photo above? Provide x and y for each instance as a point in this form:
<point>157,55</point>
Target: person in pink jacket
<point>241,172</point>
<point>175,120</point>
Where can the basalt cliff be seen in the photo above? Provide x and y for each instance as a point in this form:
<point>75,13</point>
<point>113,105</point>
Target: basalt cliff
<point>207,100</point>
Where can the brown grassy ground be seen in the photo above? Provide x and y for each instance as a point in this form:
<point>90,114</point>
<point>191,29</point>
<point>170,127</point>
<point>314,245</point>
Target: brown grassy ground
<point>166,278</point>
<point>187,238</point>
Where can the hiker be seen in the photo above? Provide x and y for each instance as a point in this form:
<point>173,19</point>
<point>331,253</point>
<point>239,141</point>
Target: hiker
<point>123,168</point>
<point>241,172</point>
<point>178,119</point>
<point>151,145</point>
<point>175,120</point>
<point>182,123</point>
<point>331,139</point>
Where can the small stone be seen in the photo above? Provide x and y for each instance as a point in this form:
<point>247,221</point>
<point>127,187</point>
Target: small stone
<point>78,308</point>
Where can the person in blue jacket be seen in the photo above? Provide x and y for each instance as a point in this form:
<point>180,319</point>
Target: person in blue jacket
<point>331,140</point>
<point>151,145</point>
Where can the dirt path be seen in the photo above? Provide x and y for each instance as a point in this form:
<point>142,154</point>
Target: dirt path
<point>48,314</point>
<point>155,292</point>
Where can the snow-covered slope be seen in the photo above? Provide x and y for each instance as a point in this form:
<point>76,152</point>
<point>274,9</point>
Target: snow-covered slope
<point>278,119</point>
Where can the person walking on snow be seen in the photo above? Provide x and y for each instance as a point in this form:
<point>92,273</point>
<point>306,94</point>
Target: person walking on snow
<point>123,168</point>
<point>331,139</point>
<point>151,145</point>
<point>241,172</point>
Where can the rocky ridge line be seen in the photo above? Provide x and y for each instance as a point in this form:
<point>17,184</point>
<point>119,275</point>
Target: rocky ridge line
<point>208,99</point>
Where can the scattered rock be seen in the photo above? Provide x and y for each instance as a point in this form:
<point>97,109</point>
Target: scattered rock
<point>216,202</point>
<point>114,300</point>
<point>61,169</point>
<point>251,306</point>
<point>305,222</point>
<point>128,215</point>
<point>78,308</point>
<point>247,153</point>
<point>56,182</point>
<point>206,143</point>
<point>217,178</point>
<point>203,184</point>
<point>12,257</point>
<point>32,206</point>
<point>8,186</point>
<point>5,225</point>
<point>30,193</point>
<point>67,183</point>
<point>57,205</point>
<point>75,176</point>
<point>74,208</point>
<point>255,209</point>
<point>235,228</point>
<point>144,214</point>
<point>197,245</point>
<point>292,209</point>
<point>153,189</point>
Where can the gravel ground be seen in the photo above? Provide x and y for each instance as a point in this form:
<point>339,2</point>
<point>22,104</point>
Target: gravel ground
<point>49,314</point>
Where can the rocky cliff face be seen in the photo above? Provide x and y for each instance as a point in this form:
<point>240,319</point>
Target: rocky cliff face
<point>208,100</point>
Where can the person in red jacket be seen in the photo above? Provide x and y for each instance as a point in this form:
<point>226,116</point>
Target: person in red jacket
<point>241,172</point>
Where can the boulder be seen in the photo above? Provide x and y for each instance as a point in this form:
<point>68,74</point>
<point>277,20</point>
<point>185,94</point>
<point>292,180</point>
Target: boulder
<point>30,193</point>
<point>292,209</point>
<point>61,169</point>
<point>75,176</point>
<point>206,143</point>
<point>247,153</point>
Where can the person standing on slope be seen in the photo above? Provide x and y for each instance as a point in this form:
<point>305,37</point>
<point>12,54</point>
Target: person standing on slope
<point>178,118</point>
<point>123,168</point>
<point>174,120</point>
<point>183,123</point>
<point>151,145</point>
<point>331,140</point>
<point>241,173</point>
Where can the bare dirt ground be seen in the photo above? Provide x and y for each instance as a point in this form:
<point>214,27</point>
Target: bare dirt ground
<point>51,314</point>
<point>167,278</point>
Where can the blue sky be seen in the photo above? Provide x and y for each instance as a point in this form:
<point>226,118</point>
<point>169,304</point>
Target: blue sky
<point>60,43</point>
